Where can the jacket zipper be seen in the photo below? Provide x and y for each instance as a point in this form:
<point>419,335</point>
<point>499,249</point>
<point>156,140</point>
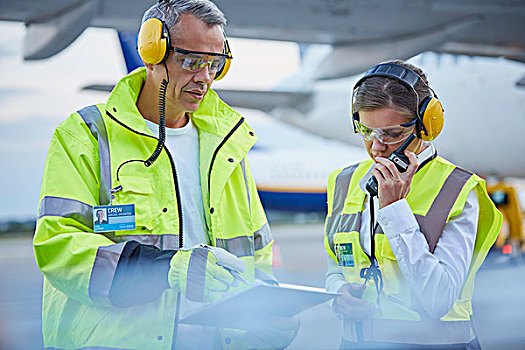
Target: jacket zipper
<point>217,151</point>
<point>173,170</point>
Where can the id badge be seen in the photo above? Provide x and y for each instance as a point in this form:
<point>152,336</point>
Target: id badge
<point>344,254</point>
<point>114,217</point>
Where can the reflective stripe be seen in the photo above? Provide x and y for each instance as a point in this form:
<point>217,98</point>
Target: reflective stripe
<point>341,223</point>
<point>239,246</point>
<point>427,332</point>
<point>93,119</point>
<point>341,188</point>
<point>196,276</point>
<point>434,221</point>
<point>337,222</point>
<point>246,245</point>
<point>263,237</point>
<point>103,272</point>
<point>164,241</point>
<point>66,208</point>
<point>243,167</point>
<point>170,242</point>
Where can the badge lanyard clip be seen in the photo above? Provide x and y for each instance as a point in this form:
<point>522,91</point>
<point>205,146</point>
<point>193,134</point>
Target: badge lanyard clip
<point>114,190</point>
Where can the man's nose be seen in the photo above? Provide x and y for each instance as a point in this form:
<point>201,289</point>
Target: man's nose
<point>204,76</point>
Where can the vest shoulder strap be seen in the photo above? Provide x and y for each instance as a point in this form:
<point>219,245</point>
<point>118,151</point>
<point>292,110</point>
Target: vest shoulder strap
<point>341,184</point>
<point>435,219</point>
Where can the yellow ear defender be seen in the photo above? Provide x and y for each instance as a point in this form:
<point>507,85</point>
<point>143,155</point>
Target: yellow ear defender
<point>431,115</point>
<point>222,72</point>
<point>153,41</point>
<point>430,112</point>
<point>154,45</point>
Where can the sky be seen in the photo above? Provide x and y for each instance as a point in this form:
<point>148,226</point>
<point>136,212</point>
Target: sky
<point>36,96</point>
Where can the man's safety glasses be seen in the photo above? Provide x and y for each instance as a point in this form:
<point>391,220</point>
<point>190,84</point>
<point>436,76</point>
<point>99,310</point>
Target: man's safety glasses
<point>388,134</point>
<point>195,61</point>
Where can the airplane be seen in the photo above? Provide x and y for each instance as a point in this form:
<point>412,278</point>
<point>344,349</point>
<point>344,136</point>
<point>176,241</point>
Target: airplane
<point>359,32</point>
<point>291,167</point>
<point>322,107</point>
<point>344,38</point>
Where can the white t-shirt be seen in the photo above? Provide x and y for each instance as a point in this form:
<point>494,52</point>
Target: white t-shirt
<point>183,145</point>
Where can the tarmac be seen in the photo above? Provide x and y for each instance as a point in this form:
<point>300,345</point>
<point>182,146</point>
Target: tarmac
<point>499,297</point>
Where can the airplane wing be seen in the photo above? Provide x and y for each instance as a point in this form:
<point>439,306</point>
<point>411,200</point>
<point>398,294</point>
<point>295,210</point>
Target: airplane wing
<point>266,100</point>
<point>263,100</point>
<point>397,28</point>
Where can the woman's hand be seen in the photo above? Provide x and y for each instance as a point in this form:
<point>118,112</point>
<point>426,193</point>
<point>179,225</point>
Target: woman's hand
<point>393,185</point>
<point>350,304</point>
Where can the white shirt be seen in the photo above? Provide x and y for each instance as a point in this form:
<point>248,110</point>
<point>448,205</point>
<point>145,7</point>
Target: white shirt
<point>435,279</point>
<point>183,145</point>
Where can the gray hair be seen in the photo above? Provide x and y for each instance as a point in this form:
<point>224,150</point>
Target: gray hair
<point>169,11</point>
<point>383,92</point>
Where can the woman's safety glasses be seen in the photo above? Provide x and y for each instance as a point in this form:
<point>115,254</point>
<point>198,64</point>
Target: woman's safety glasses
<point>195,61</point>
<point>388,134</point>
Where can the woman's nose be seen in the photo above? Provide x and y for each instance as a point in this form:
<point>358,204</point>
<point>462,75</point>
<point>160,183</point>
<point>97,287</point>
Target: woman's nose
<point>376,142</point>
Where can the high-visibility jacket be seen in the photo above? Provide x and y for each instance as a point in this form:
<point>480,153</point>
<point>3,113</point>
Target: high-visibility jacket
<point>438,193</point>
<point>84,157</point>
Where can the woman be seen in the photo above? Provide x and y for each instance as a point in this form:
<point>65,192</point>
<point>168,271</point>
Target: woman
<point>408,282</point>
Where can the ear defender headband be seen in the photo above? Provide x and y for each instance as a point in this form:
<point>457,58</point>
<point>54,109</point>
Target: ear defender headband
<point>154,45</point>
<point>429,111</point>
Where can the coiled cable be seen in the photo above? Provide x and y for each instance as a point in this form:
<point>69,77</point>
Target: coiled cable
<point>162,126</point>
<point>162,123</point>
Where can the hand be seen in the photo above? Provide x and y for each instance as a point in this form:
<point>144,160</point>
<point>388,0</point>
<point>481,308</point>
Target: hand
<point>393,185</point>
<point>273,333</point>
<point>197,275</point>
<point>350,303</point>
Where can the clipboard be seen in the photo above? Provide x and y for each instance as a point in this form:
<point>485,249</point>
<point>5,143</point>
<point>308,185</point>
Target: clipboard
<point>260,301</point>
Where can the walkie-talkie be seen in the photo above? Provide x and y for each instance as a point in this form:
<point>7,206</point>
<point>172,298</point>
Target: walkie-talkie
<point>399,158</point>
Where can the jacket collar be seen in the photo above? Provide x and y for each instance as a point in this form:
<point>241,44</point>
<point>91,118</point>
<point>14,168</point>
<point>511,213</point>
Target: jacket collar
<point>122,103</point>
<point>213,116</point>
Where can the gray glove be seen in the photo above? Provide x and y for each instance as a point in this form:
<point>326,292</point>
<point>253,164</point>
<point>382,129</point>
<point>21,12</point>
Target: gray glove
<point>204,273</point>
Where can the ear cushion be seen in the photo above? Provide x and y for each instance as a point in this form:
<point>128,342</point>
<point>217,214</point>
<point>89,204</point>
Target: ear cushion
<point>431,114</point>
<point>153,41</point>
<point>221,73</point>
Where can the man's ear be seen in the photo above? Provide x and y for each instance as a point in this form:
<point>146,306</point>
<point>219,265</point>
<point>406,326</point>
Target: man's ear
<point>148,66</point>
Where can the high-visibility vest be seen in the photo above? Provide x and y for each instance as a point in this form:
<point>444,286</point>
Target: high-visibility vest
<point>81,169</point>
<point>438,193</point>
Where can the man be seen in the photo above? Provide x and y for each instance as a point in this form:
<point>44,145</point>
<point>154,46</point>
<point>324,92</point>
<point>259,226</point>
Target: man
<point>191,186</point>
<point>403,250</point>
<point>100,217</point>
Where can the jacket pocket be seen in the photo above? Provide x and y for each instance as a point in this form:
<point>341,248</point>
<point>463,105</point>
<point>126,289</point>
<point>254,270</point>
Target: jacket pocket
<point>138,190</point>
